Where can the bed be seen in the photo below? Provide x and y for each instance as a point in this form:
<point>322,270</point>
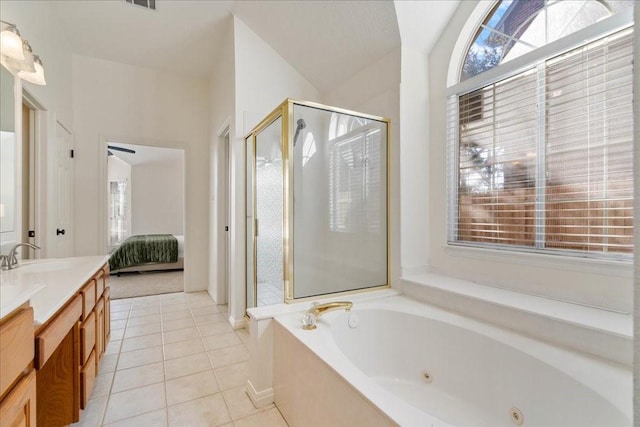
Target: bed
<point>148,252</point>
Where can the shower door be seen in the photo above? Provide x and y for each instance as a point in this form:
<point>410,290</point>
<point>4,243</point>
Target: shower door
<point>250,295</point>
<point>317,211</point>
<point>340,239</point>
<point>268,211</point>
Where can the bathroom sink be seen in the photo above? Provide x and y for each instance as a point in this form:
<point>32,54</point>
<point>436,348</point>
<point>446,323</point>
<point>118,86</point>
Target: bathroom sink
<point>45,266</point>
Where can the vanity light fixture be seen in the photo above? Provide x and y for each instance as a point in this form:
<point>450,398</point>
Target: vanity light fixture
<point>37,77</point>
<point>17,56</point>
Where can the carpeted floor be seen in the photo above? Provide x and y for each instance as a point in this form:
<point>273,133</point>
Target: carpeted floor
<point>130,285</point>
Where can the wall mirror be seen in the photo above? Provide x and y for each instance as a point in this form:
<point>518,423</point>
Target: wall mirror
<point>8,153</point>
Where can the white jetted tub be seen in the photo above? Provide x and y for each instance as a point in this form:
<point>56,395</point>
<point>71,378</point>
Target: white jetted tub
<point>416,365</point>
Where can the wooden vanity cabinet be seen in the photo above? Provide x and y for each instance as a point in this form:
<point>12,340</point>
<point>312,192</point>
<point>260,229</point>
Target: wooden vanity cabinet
<point>69,348</point>
<point>57,346</point>
<point>17,376</point>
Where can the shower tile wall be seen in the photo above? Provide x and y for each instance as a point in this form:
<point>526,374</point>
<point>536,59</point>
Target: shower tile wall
<point>269,241</point>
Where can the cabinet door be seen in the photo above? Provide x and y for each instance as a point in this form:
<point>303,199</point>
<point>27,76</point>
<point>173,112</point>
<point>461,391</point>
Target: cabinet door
<point>19,407</point>
<point>16,347</point>
<point>88,293</point>
<point>88,337</point>
<point>100,342</point>
<point>87,380</point>
<point>107,316</point>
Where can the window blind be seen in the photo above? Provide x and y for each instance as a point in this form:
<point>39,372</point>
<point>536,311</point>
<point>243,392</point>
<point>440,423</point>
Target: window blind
<point>118,208</point>
<point>543,160</point>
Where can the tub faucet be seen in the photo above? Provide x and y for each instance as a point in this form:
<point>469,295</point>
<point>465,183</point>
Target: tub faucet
<point>10,261</point>
<point>311,316</point>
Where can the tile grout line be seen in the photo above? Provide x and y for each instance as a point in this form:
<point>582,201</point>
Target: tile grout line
<point>213,370</point>
<point>115,368</point>
<point>164,367</point>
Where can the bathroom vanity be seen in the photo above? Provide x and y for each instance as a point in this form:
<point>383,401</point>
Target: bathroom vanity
<point>55,315</point>
<point>17,376</point>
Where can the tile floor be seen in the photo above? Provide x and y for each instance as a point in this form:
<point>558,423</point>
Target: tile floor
<point>269,294</point>
<point>173,360</point>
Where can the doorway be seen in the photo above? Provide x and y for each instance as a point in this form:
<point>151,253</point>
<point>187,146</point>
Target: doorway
<point>145,208</point>
<point>28,179</point>
<point>34,179</point>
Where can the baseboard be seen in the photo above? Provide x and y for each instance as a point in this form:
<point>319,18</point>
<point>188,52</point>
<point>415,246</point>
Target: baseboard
<point>260,398</point>
<point>237,323</point>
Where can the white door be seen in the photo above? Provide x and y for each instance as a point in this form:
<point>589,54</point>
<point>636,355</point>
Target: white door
<point>61,232</point>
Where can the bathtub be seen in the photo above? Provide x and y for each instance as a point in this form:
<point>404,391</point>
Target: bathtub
<point>399,361</point>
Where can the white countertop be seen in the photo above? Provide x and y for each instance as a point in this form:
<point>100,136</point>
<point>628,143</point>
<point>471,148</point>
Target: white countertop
<point>14,293</point>
<point>47,284</point>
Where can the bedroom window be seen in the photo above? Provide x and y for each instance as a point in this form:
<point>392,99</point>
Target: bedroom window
<point>540,150</point>
<point>118,208</point>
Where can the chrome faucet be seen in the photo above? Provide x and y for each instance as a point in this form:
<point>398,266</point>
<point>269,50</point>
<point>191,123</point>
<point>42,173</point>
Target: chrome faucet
<point>311,316</point>
<point>10,261</point>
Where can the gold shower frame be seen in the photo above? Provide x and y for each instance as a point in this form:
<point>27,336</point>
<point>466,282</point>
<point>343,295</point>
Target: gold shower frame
<point>285,111</point>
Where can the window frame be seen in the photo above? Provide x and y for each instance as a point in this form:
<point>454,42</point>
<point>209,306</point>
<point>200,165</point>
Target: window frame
<point>531,60</point>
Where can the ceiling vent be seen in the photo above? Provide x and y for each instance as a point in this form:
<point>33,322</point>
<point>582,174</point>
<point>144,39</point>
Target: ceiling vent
<point>147,4</point>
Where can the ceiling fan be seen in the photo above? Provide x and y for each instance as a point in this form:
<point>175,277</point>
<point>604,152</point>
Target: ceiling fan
<point>113,147</point>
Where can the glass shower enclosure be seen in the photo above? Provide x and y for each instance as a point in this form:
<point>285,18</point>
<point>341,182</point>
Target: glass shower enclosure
<point>317,219</point>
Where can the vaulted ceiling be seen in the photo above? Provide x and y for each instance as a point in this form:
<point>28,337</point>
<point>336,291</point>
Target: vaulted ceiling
<point>326,41</point>
<point>180,36</point>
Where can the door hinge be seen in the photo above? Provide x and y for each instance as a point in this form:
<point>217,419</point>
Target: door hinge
<point>71,153</point>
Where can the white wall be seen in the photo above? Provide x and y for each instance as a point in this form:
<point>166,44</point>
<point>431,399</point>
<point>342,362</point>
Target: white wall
<point>420,25</point>
<point>157,197</point>
<point>584,281</point>
<point>262,80</point>
<point>222,101</point>
<point>414,137</point>
<point>138,105</point>
<point>118,169</point>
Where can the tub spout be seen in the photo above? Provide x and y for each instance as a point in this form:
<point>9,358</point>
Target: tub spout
<point>311,316</point>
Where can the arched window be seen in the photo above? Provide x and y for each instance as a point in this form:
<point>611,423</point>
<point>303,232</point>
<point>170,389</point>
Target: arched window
<point>540,130</point>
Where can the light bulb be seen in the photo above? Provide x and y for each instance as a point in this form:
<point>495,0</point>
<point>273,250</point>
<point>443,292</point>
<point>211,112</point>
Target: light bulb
<point>11,43</point>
